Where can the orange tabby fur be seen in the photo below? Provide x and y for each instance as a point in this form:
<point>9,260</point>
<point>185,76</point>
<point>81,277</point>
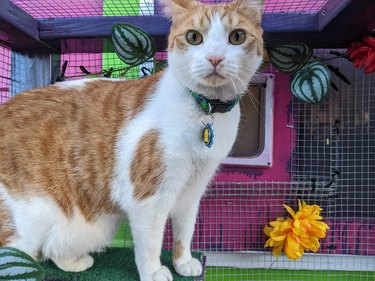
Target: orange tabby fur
<point>147,169</point>
<point>68,128</point>
<point>6,229</point>
<point>178,250</point>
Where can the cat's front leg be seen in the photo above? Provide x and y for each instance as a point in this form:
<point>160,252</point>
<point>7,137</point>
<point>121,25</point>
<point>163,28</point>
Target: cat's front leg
<point>183,220</point>
<point>147,224</point>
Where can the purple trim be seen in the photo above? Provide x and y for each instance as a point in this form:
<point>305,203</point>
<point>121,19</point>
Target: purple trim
<point>89,27</point>
<point>19,19</point>
<point>19,30</point>
<point>330,11</point>
<point>99,27</point>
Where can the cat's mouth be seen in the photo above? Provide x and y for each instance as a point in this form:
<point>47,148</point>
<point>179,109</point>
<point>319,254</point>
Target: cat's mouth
<point>215,75</point>
<point>214,78</point>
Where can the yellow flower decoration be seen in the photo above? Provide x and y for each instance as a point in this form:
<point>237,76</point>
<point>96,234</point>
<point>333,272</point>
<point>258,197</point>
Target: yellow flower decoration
<point>297,234</point>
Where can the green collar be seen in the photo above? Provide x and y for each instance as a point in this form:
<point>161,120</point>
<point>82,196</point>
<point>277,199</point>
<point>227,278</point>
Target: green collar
<point>209,106</point>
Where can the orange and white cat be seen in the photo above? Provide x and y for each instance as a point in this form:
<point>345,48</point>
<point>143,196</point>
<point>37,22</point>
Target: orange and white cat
<point>77,157</point>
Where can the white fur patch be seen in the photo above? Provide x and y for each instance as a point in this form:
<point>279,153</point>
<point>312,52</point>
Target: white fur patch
<point>83,82</point>
<point>42,226</point>
<point>72,83</point>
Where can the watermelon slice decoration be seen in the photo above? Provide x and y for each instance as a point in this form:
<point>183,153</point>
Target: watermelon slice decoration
<point>133,45</point>
<point>17,265</point>
<point>289,58</point>
<point>311,83</point>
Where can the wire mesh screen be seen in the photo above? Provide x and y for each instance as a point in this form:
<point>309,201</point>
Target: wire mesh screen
<point>87,8</point>
<point>334,142</point>
<point>5,75</point>
<point>99,61</point>
<point>356,147</point>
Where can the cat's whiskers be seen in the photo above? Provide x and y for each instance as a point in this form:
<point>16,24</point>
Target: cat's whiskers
<point>247,68</point>
<point>235,74</point>
<point>184,74</point>
<point>256,81</point>
<point>253,100</point>
<point>234,86</point>
<point>188,81</point>
<point>254,78</point>
<point>247,90</point>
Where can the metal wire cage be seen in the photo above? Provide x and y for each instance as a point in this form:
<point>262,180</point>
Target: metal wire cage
<point>329,161</point>
<point>84,8</point>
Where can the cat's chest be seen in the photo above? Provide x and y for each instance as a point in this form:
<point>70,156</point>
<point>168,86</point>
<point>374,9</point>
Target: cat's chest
<point>179,134</point>
<point>190,131</point>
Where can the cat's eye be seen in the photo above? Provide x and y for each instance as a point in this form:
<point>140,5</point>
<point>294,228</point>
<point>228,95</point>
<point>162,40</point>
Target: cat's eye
<point>194,37</point>
<point>237,37</point>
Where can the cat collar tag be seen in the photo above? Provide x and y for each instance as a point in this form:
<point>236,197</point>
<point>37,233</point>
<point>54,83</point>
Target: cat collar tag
<point>208,135</point>
<point>210,106</point>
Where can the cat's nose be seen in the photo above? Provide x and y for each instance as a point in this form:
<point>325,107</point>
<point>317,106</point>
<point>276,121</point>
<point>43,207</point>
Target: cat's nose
<point>215,60</point>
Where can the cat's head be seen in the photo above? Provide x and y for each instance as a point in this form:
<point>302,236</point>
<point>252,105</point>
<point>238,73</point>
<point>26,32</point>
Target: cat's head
<point>215,49</point>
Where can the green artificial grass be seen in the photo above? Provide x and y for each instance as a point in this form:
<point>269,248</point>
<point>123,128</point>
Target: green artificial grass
<point>116,264</point>
<point>235,274</point>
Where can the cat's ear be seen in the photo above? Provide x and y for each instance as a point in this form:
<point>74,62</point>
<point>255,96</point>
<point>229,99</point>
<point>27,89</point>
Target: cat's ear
<point>173,8</point>
<point>255,5</point>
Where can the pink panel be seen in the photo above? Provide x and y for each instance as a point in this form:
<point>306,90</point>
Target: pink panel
<point>351,237</point>
<point>62,8</point>
<point>294,5</point>
<point>234,223</point>
<point>91,61</point>
<point>5,65</point>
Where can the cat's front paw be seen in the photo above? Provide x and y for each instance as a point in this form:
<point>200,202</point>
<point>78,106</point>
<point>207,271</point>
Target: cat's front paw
<point>74,264</point>
<point>163,274</point>
<point>192,268</point>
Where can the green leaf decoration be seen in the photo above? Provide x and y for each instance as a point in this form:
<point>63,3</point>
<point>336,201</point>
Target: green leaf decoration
<point>289,58</point>
<point>311,83</point>
<point>132,45</point>
<point>146,71</point>
<point>17,265</point>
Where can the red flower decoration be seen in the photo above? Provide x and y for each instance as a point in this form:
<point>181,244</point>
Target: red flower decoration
<point>362,54</point>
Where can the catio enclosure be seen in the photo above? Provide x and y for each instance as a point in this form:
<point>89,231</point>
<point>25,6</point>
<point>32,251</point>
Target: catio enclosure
<point>323,154</point>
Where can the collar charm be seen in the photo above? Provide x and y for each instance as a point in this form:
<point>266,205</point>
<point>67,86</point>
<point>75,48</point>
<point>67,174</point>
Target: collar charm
<point>209,106</point>
<point>208,135</point>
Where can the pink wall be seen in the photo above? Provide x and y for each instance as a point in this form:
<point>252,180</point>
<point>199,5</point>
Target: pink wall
<point>91,61</point>
<point>63,8</point>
